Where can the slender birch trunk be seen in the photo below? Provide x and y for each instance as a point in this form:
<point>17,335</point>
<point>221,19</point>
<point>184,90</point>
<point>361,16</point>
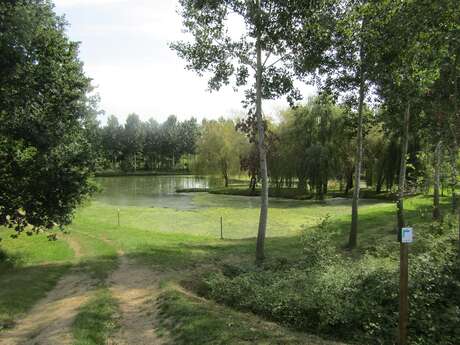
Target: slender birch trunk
<point>402,170</point>
<point>453,183</point>
<point>437,182</point>
<point>456,125</point>
<point>353,238</point>
<point>260,252</point>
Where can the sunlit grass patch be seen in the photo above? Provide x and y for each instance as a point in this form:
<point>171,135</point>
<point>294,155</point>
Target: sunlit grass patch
<point>97,319</point>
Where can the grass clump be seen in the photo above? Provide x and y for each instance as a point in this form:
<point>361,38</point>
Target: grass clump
<point>96,320</point>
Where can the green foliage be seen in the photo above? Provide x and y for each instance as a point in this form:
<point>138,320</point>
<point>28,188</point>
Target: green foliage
<point>311,146</point>
<point>148,145</point>
<point>46,156</point>
<point>220,148</point>
<point>318,247</point>
<point>335,295</point>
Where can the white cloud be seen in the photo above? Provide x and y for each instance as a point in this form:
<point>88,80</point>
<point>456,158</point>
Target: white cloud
<point>79,3</point>
<point>125,50</point>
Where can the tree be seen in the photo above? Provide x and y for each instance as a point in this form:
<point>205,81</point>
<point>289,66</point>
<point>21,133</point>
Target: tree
<point>133,138</point>
<point>170,139</point>
<point>151,147</point>
<point>111,137</point>
<point>274,31</point>
<point>346,66</point>
<point>46,158</point>
<point>310,137</point>
<point>404,71</point>
<point>220,149</point>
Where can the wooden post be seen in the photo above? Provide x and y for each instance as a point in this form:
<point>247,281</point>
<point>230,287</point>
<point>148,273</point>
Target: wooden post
<point>403,293</point>
<point>118,214</point>
<point>403,249</point>
<point>221,229</point>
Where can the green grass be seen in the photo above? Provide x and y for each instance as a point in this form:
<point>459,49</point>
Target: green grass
<point>33,268</point>
<point>176,240</point>
<point>35,249</point>
<point>22,287</point>
<point>191,320</point>
<point>97,319</point>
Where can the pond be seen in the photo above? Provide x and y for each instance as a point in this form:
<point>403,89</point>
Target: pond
<point>152,191</point>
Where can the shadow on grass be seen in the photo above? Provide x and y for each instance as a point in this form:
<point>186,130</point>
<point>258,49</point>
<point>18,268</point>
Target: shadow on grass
<point>23,286</point>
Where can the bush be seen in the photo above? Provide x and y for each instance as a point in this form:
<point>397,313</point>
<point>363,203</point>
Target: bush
<point>356,300</point>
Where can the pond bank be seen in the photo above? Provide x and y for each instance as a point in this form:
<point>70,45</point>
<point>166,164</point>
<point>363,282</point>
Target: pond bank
<point>140,173</point>
<point>285,193</point>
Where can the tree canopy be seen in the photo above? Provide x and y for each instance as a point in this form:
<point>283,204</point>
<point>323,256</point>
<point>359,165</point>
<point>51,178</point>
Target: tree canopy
<point>46,156</point>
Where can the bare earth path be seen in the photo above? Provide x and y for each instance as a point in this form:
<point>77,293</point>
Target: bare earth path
<point>135,287</point>
<point>50,321</point>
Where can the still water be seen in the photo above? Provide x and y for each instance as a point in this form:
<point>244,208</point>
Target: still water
<point>152,191</point>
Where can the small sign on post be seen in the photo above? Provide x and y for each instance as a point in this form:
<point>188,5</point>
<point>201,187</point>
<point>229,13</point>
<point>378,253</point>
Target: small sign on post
<point>407,235</point>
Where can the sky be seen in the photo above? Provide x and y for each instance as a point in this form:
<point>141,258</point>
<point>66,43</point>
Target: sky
<point>124,48</point>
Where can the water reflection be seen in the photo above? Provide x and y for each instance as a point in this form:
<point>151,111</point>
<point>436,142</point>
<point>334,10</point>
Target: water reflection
<point>152,191</point>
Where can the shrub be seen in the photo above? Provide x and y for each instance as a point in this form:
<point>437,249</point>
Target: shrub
<point>357,300</point>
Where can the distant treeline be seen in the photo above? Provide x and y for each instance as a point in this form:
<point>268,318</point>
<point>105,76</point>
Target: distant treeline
<point>312,147</point>
<point>149,145</point>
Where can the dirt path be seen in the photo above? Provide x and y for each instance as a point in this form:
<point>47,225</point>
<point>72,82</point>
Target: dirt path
<point>49,321</point>
<point>75,246</point>
<point>136,288</point>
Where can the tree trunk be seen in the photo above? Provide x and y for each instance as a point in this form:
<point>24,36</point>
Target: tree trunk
<point>403,272</point>
<point>402,170</point>
<point>302,184</point>
<point>453,183</point>
<point>252,184</point>
<point>260,252</point>
<point>454,154</point>
<point>353,238</point>
<point>380,176</point>
<point>349,184</point>
<point>437,182</point>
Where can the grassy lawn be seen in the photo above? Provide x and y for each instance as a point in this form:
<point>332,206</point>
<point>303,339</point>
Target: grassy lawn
<point>174,240</point>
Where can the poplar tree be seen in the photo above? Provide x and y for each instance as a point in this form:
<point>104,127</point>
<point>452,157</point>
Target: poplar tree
<point>261,60</point>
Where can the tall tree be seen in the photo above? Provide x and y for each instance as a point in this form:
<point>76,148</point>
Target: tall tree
<point>46,119</point>
<point>220,148</point>
<point>272,32</point>
<point>151,147</point>
<point>112,140</point>
<point>405,69</point>
<point>133,136</point>
<point>347,66</point>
